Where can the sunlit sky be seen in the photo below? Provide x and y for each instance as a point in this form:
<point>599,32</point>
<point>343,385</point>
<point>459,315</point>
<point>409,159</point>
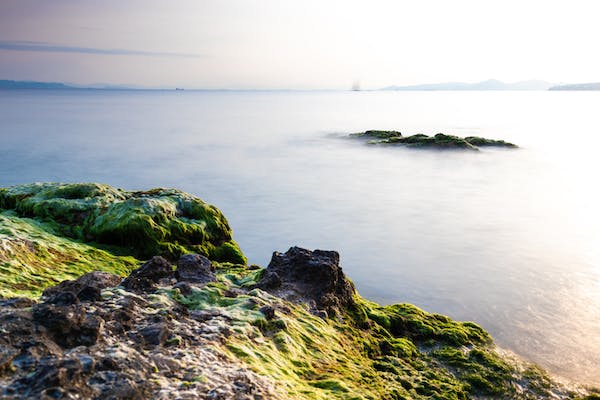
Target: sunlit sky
<point>298,44</point>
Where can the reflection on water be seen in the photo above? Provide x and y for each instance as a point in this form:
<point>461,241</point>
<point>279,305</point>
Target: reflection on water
<point>508,239</point>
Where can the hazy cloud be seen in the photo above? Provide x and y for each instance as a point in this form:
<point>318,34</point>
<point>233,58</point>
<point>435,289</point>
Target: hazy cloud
<point>56,48</point>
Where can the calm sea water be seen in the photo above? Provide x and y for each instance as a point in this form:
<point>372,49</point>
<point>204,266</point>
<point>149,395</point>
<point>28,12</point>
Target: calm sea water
<point>509,239</point>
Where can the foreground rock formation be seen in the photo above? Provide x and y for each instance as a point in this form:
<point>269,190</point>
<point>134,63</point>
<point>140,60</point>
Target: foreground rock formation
<point>192,326</point>
<point>127,342</point>
<point>438,141</point>
<point>50,232</point>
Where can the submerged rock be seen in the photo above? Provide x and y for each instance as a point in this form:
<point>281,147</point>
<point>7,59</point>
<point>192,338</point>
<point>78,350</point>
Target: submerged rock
<point>439,141</point>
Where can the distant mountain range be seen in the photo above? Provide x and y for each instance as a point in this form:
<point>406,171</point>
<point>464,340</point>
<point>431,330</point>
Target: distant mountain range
<point>491,84</point>
<point>7,84</point>
<point>4,84</point>
<point>578,86</point>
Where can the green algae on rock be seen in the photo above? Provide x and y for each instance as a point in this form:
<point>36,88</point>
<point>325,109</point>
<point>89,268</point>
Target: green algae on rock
<point>33,256</point>
<point>438,141</point>
<point>228,337</point>
<point>296,329</point>
<point>364,351</point>
<point>52,231</point>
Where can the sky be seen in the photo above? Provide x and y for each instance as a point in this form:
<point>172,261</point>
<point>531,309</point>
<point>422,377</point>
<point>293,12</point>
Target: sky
<point>304,44</point>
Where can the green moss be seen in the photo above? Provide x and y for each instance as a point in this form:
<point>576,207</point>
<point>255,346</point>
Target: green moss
<point>164,222</point>
<point>208,297</point>
<point>369,352</point>
<point>330,385</point>
<point>377,134</point>
<point>407,320</point>
<point>485,371</point>
<point>399,347</point>
<point>237,275</point>
<point>228,251</point>
<point>33,257</point>
<point>51,231</point>
<point>440,141</point>
<point>483,142</point>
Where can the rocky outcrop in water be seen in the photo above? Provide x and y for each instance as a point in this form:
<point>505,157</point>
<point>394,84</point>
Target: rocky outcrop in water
<point>438,141</point>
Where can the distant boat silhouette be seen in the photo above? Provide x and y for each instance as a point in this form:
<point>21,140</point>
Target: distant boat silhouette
<point>356,86</point>
<point>178,88</point>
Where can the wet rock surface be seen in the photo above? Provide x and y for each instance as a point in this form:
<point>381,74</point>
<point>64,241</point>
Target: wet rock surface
<point>195,268</point>
<point>120,344</point>
<point>149,275</point>
<point>314,277</point>
<point>85,288</point>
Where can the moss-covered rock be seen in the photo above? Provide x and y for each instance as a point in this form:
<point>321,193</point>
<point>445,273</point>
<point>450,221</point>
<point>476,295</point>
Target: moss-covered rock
<point>483,142</point>
<point>51,231</point>
<point>377,134</point>
<point>406,320</point>
<point>230,337</point>
<point>438,141</point>
<point>367,351</point>
<point>33,256</point>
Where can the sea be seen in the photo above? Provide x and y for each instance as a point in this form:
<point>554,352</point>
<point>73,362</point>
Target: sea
<point>509,239</point>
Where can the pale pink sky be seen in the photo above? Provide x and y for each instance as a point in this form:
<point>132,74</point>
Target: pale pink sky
<point>297,44</point>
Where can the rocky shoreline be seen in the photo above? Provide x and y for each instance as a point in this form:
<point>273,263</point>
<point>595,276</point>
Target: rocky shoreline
<point>194,321</point>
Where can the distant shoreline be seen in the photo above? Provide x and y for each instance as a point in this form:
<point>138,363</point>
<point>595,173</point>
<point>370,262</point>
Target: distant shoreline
<point>577,87</point>
<point>485,86</point>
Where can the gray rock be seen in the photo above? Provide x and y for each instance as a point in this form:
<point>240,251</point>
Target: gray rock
<point>309,276</point>
<point>195,268</point>
<point>85,288</point>
<point>147,277</point>
<point>68,325</point>
<point>155,334</point>
<point>17,302</point>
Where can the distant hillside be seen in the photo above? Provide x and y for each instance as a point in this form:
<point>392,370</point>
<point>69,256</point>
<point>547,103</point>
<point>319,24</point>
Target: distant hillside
<point>491,84</point>
<point>577,86</point>
<point>4,84</point>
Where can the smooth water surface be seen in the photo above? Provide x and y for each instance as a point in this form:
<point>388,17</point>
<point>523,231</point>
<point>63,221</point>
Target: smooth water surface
<point>507,238</point>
